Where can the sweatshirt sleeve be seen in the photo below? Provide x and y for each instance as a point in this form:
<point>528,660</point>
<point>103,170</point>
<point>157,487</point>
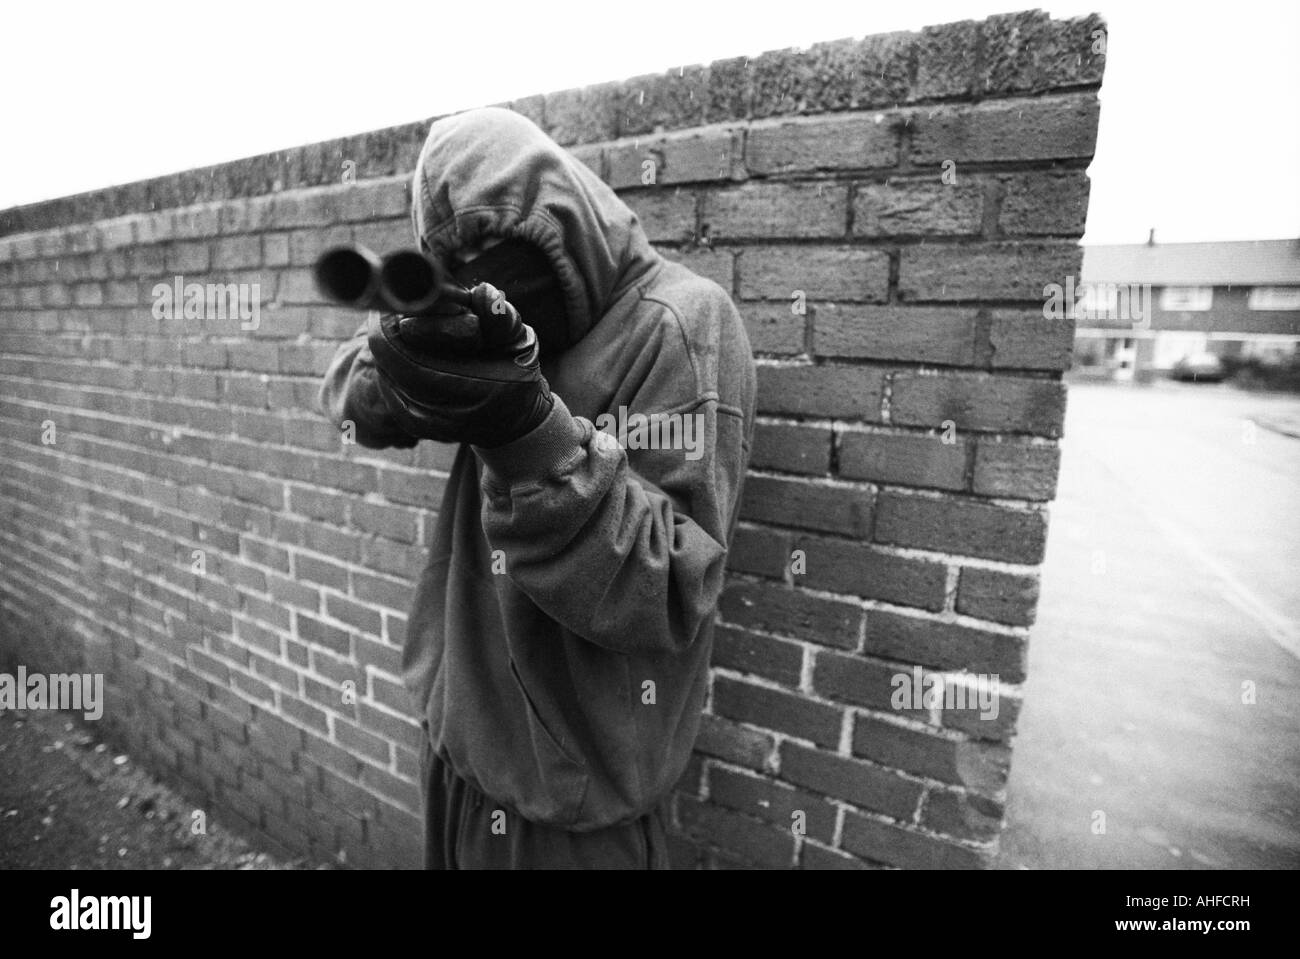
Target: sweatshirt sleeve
<point>631,559</point>
<point>349,392</point>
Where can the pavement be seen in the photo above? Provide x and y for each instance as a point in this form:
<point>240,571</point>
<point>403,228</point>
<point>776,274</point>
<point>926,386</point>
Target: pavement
<point>1161,725</point>
<point>69,801</point>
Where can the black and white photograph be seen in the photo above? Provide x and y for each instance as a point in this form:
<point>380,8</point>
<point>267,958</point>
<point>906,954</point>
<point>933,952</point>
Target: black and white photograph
<point>688,437</point>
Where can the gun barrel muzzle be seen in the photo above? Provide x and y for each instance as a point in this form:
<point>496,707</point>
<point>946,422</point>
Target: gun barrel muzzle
<point>349,276</point>
<point>404,281</point>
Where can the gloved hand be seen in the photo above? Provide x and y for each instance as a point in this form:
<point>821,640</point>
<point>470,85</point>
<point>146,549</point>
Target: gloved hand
<point>449,378</point>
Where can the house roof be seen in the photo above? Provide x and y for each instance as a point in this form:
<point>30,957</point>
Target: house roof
<point>1238,263</point>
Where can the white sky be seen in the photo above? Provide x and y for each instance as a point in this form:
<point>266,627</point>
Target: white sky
<point>1200,119</point>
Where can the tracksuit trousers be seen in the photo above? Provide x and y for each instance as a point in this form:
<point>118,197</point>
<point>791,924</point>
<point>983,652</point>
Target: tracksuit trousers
<point>465,829</point>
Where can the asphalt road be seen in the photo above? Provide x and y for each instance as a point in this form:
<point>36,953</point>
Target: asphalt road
<point>1170,600</point>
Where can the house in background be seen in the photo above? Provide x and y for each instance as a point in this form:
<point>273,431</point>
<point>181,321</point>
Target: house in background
<point>1148,305</point>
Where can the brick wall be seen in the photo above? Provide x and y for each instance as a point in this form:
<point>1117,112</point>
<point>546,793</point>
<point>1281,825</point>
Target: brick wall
<point>176,514</point>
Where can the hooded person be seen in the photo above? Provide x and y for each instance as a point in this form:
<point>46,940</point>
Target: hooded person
<point>559,639</point>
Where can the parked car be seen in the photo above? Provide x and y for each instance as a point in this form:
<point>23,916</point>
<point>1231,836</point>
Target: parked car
<point>1199,368</point>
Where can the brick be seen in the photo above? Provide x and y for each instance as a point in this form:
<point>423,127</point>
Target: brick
<point>753,842</point>
<point>84,294</point>
<point>780,711</point>
<point>664,100</point>
<point>818,857</point>
<point>746,652</point>
<point>895,846</point>
<point>311,359</point>
<point>843,566</point>
<point>774,327</point>
<point>394,594</point>
<point>700,156</point>
<point>389,694</point>
<point>1044,203</point>
<point>586,115</point>
<point>946,646</point>
<point>1051,128</point>
<point>926,207</point>
<point>962,815</point>
<point>667,214</point>
<point>1030,341</point>
<point>275,249</point>
<point>981,403</point>
<point>361,618</point>
<point>864,785</point>
<point>343,763</point>
<point>822,273</point>
<point>402,730</point>
<point>393,522</point>
<point>908,459</point>
<point>1010,598</point>
<point>275,739</point>
<point>728,93</point>
<point>913,334</point>
<point>862,682</point>
<point>201,220</point>
<point>374,199</point>
<point>234,252</point>
<point>851,392</point>
<point>968,717</point>
<point>319,633</point>
<point>410,487</point>
<point>191,257</point>
<point>773,802</point>
<point>981,767</point>
<point>758,550</point>
<point>283,676</point>
<point>1016,470</point>
<point>248,215</point>
<point>799,503</point>
<point>1029,51</point>
<point>775,210</point>
<point>300,208</point>
<point>968,527</point>
<point>318,504</point>
<point>734,743</point>
<point>945,61</point>
<point>835,75</point>
<point>388,557</point>
<point>791,612</point>
<point>253,688</point>
<point>791,448</point>
<point>821,143</point>
<point>359,741</point>
<point>999,271</point>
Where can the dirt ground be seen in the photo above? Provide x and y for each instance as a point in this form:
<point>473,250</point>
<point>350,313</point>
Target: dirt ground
<point>69,802</point>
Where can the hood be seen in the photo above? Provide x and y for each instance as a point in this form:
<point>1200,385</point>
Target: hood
<point>493,173</point>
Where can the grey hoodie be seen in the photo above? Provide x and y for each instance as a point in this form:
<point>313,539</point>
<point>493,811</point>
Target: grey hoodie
<point>559,640</point>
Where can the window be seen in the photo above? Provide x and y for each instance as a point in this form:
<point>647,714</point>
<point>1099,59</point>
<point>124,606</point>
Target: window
<point>1191,299</point>
<point>1274,298</point>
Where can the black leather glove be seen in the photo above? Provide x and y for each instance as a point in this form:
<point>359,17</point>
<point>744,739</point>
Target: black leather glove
<point>443,378</point>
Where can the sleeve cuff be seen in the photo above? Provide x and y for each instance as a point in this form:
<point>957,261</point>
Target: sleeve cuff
<point>545,451</point>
